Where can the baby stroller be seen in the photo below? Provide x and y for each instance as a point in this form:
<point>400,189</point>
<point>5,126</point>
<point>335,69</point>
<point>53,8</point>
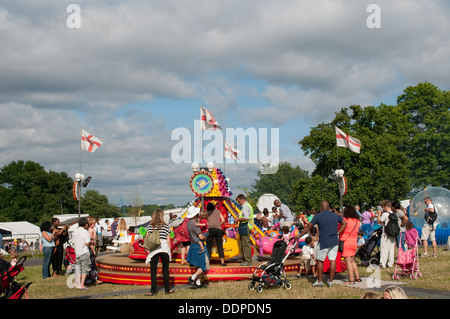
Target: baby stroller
<point>9,287</point>
<point>271,273</point>
<point>407,262</point>
<point>70,264</point>
<point>369,253</point>
<point>69,259</point>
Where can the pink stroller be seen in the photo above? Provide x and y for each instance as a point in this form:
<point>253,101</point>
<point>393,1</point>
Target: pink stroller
<point>407,262</point>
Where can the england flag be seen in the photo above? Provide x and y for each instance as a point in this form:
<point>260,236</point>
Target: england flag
<point>231,152</point>
<point>345,140</point>
<point>89,143</point>
<point>208,122</point>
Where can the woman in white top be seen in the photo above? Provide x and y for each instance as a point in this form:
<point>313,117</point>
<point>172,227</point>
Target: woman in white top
<point>387,243</point>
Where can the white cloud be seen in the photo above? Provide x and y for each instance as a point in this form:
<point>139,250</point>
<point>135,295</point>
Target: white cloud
<point>281,63</point>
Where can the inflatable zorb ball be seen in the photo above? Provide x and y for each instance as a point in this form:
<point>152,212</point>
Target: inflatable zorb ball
<point>441,199</point>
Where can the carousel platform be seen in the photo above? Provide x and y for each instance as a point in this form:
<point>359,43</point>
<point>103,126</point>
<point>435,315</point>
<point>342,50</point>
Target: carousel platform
<point>120,269</point>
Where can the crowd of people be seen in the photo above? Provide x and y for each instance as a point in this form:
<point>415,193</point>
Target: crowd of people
<point>19,245</point>
<point>344,231</point>
<point>328,231</point>
<point>86,242</point>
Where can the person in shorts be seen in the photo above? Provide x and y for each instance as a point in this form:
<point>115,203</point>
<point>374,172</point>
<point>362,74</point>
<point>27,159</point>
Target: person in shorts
<point>307,257</point>
<point>82,242</point>
<point>328,223</point>
<point>429,227</point>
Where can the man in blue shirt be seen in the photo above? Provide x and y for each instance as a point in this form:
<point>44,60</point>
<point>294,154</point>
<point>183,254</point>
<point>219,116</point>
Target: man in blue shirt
<point>328,223</point>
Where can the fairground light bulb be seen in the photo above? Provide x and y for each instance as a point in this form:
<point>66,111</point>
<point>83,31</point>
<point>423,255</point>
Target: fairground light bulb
<point>210,166</point>
<point>195,166</point>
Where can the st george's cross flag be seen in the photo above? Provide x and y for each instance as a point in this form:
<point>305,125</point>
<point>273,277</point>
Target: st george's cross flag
<point>208,122</point>
<point>88,142</point>
<point>345,140</point>
<point>231,152</point>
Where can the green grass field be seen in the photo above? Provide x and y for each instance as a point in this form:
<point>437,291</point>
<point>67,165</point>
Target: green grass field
<point>435,276</point>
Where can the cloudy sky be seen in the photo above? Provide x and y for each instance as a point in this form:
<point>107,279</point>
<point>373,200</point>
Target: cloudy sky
<point>135,71</point>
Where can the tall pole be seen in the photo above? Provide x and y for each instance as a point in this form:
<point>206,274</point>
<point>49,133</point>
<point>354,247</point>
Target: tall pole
<point>79,180</point>
<point>79,199</point>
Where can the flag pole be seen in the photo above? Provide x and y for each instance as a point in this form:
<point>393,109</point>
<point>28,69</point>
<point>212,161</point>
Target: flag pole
<point>337,149</point>
<point>337,156</point>
<point>224,159</point>
<point>81,134</point>
<point>79,184</point>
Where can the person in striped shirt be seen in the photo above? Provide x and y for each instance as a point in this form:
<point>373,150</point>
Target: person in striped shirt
<point>162,252</point>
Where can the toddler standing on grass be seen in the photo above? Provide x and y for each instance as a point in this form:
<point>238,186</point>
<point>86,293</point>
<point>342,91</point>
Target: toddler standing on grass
<point>315,239</point>
<point>307,256</point>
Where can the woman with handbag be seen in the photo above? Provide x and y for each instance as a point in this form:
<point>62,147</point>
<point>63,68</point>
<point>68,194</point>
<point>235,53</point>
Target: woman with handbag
<point>161,252</point>
<point>349,238</point>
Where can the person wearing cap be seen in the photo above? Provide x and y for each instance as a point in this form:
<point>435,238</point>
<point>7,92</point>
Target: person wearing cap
<point>201,261</point>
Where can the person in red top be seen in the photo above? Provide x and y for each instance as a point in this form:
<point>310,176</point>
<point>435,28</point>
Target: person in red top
<point>350,238</point>
<point>182,237</point>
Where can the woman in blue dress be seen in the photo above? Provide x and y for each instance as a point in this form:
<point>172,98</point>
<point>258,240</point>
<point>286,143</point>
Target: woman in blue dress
<point>194,257</point>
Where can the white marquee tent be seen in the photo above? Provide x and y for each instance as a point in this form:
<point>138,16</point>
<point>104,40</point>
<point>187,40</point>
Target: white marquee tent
<point>266,201</point>
<point>21,230</point>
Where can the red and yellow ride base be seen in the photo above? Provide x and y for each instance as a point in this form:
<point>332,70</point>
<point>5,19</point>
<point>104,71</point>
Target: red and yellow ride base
<point>119,269</point>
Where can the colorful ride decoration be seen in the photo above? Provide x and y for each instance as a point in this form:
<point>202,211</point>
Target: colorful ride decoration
<point>201,183</point>
<point>76,191</point>
<point>343,186</point>
<point>212,184</point>
<point>207,186</point>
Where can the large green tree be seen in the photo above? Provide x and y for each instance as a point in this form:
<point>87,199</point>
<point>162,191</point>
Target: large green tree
<point>380,171</point>
<point>28,192</point>
<point>427,111</point>
<point>309,192</point>
<point>404,146</point>
<point>97,205</point>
